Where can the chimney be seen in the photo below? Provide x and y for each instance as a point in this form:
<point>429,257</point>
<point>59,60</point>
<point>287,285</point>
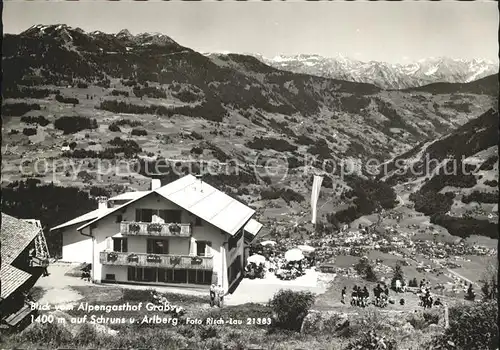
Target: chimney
<point>103,203</point>
<point>201,182</point>
<point>155,184</point>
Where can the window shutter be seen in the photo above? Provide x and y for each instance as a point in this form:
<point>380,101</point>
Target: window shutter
<point>192,247</point>
<point>124,245</point>
<point>138,215</point>
<point>109,243</point>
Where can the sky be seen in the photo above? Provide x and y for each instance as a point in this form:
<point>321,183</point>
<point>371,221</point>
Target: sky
<point>397,32</point>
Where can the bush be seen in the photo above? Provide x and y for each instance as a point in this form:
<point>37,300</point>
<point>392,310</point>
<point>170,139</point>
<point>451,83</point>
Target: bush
<point>18,109</point>
<point>29,131</point>
<point>139,132</point>
<point>40,120</point>
<point>114,128</point>
<point>489,163</point>
<point>197,150</point>
<point>425,319</point>
<point>149,91</point>
<point>71,125</point>
<point>491,183</point>
<point>371,341</point>
<point>288,195</point>
<point>186,96</point>
<point>196,136</point>
<point>260,143</point>
<point>120,93</point>
<point>27,92</point>
<point>70,100</point>
<point>290,308</point>
<point>209,110</point>
<point>124,146</point>
<point>465,227</point>
<point>320,149</point>
<point>304,140</point>
<point>481,197</point>
<point>471,327</point>
<point>365,269</point>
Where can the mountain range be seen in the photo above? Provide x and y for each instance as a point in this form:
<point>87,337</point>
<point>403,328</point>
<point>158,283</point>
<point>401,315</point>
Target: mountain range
<point>386,75</point>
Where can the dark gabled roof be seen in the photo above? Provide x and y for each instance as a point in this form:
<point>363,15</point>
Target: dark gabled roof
<point>12,278</point>
<point>16,235</point>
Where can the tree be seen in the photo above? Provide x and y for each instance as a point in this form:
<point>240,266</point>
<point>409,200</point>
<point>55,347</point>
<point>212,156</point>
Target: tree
<point>365,269</point>
<point>489,282</point>
<point>470,295</point>
<point>290,308</point>
<point>398,275</point>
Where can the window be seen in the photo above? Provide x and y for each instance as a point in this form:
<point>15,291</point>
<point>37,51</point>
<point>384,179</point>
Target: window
<point>119,219</point>
<point>143,215</point>
<point>157,246</point>
<point>140,274</point>
<point>165,275</point>
<point>149,275</point>
<point>110,277</point>
<point>192,276</point>
<point>169,216</point>
<point>202,247</point>
<point>120,245</point>
<point>233,241</point>
<point>180,276</point>
<point>198,221</point>
<point>173,216</point>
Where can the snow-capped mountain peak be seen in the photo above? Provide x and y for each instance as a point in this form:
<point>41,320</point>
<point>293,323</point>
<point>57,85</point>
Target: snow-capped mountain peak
<point>386,75</point>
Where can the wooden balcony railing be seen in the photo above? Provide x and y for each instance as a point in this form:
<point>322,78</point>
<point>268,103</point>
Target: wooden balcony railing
<point>156,260</point>
<point>131,228</point>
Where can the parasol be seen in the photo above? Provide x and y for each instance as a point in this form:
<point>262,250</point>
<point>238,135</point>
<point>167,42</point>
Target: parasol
<point>256,259</point>
<point>268,243</point>
<point>306,248</point>
<point>294,255</point>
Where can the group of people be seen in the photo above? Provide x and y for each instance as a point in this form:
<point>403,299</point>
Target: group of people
<point>216,295</point>
<point>291,270</point>
<point>426,299</point>
<point>252,270</point>
<point>361,296</point>
<point>86,272</point>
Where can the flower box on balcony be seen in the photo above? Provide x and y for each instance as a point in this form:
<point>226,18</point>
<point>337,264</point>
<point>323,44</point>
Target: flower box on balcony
<point>153,258</point>
<point>133,258</point>
<point>175,229</point>
<point>154,228</point>
<point>175,260</point>
<point>134,228</point>
<point>112,256</point>
<point>196,261</point>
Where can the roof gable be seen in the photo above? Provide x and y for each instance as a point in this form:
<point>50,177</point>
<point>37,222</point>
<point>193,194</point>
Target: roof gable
<point>202,200</point>
<point>16,235</point>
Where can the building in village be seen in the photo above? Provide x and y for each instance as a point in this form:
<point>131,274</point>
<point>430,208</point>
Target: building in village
<point>186,233</point>
<point>24,259</point>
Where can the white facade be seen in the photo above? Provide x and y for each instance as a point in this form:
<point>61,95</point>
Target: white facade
<point>108,228</point>
<point>122,246</point>
<point>75,246</point>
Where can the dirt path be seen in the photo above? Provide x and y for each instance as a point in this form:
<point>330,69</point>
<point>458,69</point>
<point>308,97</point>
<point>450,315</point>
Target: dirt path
<point>57,286</point>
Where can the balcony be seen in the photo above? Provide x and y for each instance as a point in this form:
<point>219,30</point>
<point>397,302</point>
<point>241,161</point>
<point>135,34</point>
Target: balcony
<point>131,228</point>
<point>156,260</point>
